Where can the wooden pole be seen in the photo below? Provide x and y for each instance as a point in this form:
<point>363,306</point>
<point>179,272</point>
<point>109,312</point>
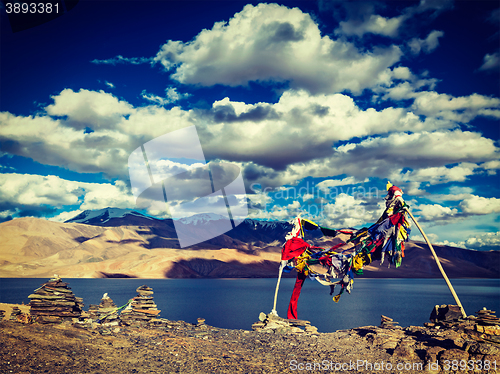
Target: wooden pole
<point>438,264</point>
<point>276,292</point>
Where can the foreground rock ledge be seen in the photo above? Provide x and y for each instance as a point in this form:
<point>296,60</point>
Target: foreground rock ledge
<point>180,347</point>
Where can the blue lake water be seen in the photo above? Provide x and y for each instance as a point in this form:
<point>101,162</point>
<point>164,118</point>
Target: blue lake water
<point>236,303</point>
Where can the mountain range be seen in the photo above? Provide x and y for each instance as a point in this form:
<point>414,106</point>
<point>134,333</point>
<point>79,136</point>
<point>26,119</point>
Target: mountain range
<point>115,242</point>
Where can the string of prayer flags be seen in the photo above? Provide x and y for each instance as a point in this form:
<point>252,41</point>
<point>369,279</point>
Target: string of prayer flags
<point>383,240</point>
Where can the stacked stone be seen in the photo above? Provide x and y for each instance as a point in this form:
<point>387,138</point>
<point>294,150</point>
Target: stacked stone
<point>388,323</point>
<point>2,314</point>
<point>487,317</point>
<point>15,312</point>
<point>488,323</point>
<point>55,302</point>
<point>141,310</point>
<point>105,312</point>
<point>272,323</point>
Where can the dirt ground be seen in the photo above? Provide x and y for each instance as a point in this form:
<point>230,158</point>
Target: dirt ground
<point>181,347</point>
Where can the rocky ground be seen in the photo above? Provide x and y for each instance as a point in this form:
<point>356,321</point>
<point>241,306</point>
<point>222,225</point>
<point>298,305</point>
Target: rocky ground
<point>180,347</point>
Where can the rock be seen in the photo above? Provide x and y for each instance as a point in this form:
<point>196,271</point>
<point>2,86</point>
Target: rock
<point>404,351</point>
<point>258,325</point>
<point>445,313</point>
<point>453,354</point>
<point>390,344</point>
<point>106,312</point>
<point>311,329</point>
<point>484,349</point>
<point>432,354</point>
<point>55,302</point>
<point>272,322</point>
<point>141,310</point>
<point>387,323</point>
<point>487,317</point>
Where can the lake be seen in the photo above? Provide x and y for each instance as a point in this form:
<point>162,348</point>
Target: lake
<point>236,303</point>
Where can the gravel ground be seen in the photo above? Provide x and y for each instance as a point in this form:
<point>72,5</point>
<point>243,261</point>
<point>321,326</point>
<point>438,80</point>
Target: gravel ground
<point>185,348</point>
<point>180,347</point>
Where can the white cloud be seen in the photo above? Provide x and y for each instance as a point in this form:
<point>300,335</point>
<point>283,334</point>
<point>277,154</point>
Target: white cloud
<point>452,244</point>
<point>171,93</point>
<point>34,192</point>
<point>349,211</point>
<point>269,42</point>
<point>435,212</point>
<point>373,24</point>
<point>325,185</point>
<point>64,216</point>
<point>97,110</point>
<point>491,61</point>
<point>436,175</point>
<point>361,17</point>
<point>491,167</point>
<point>109,84</point>
<point>458,109</point>
<point>426,45</point>
<point>480,205</point>
<point>275,144</point>
<point>123,60</point>
<point>307,196</point>
<point>485,241</point>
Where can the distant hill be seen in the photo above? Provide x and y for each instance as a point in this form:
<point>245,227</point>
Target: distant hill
<point>123,243</point>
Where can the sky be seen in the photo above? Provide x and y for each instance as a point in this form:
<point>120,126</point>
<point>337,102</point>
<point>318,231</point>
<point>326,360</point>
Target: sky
<point>319,104</point>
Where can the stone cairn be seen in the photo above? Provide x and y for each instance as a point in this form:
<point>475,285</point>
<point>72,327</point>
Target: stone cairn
<point>54,302</point>
<point>15,313</point>
<point>106,312</point>
<point>141,310</point>
<point>274,324</point>
<point>488,325</point>
<point>388,323</point>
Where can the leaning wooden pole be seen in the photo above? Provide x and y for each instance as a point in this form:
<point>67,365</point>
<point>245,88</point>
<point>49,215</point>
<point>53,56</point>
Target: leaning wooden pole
<point>276,292</point>
<point>457,300</point>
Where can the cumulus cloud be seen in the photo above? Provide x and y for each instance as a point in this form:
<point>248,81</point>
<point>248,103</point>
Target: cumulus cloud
<point>457,109</point>
<point>298,128</point>
<point>452,244</point>
<point>479,205</point>
<point>426,45</point>
<point>29,193</point>
<point>97,110</point>
<point>435,175</point>
<point>278,143</point>
<point>435,212</point>
<point>269,42</point>
<point>485,241</point>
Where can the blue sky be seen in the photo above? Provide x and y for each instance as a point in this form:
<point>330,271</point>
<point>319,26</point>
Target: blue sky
<point>318,102</point>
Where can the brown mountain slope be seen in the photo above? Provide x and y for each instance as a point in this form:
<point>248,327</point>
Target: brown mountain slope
<point>31,247</point>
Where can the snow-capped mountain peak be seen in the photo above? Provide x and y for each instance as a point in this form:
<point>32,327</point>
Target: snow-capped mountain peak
<point>103,215</point>
<point>201,218</point>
